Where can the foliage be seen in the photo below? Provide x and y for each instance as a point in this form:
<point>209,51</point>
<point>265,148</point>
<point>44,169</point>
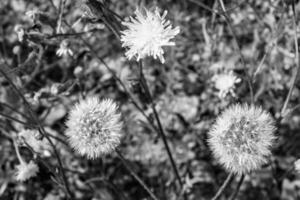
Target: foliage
<point>58,52</point>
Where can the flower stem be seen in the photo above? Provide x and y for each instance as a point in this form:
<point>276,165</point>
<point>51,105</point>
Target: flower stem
<point>237,189</point>
<point>17,120</point>
<point>141,182</point>
<point>296,73</point>
<point>18,153</point>
<point>41,130</point>
<point>160,128</point>
<point>223,187</point>
<point>14,109</point>
<point>248,78</point>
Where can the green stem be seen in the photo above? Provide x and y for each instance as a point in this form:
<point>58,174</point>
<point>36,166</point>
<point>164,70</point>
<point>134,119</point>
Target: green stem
<point>41,129</point>
<point>248,78</point>
<point>141,182</point>
<point>233,196</point>
<point>223,187</point>
<point>18,153</point>
<point>160,128</point>
<point>296,73</point>
<point>17,120</point>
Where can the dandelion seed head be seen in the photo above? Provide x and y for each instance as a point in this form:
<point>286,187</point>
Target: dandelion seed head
<point>94,127</point>
<point>241,138</point>
<point>26,171</point>
<point>146,34</point>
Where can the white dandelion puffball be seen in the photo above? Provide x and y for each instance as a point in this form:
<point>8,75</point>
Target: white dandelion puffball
<point>26,171</point>
<point>241,138</point>
<point>94,127</point>
<point>146,34</point>
<point>225,83</point>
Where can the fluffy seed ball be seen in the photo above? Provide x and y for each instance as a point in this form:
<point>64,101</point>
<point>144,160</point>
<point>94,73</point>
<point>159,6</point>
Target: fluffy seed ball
<point>94,127</point>
<point>146,34</point>
<point>26,171</point>
<point>242,137</point>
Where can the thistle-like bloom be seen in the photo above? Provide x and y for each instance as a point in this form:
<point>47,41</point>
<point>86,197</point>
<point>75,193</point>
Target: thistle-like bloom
<point>64,49</point>
<point>225,83</point>
<point>147,34</point>
<point>26,171</point>
<point>94,127</point>
<point>241,138</point>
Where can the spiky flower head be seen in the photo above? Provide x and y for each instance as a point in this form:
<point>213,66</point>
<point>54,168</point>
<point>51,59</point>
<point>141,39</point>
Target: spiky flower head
<point>94,127</point>
<point>26,171</point>
<point>241,138</point>
<point>147,33</point>
<point>225,83</point>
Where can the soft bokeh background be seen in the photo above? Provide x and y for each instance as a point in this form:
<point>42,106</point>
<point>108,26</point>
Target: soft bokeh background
<point>183,89</point>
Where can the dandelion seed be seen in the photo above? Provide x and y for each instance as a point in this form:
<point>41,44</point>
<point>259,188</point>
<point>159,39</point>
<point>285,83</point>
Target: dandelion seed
<point>147,34</point>
<point>94,127</point>
<point>241,138</point>
<point>225,83</point>
<point>26,171</point>
<point>64,49</point>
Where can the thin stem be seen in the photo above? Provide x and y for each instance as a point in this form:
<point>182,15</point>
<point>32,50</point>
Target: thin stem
<point>61,11</point>
<point>17,120</point>
<point>295,75</point>
<point>248,79</point>
<point>15,110</point>
<point>70,34</point>
<point>161,130</point>
<point>141,182</point>
<point>18,153</point>
<point>223,187</point>
<point>110,184</point>
<point>237,189</point>
<point>214,11</point>
<point>41,129</point>
<point>273,42</point>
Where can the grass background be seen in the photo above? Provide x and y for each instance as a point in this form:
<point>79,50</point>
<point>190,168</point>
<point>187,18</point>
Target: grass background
<point>182,88</point>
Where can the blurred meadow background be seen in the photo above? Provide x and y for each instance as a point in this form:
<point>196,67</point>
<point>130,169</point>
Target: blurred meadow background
<point>254,41</point>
